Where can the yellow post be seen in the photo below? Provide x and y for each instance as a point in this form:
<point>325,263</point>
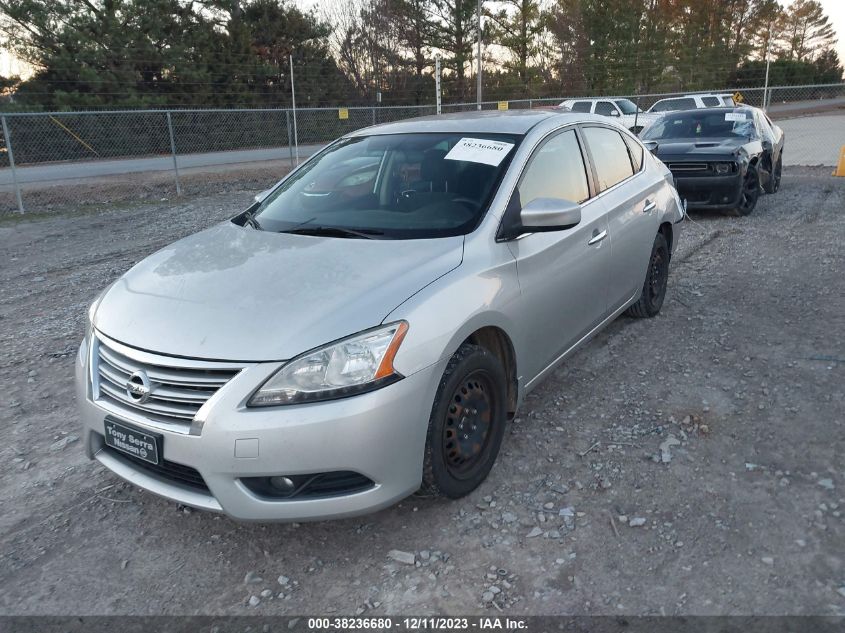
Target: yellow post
<point>840,170</point>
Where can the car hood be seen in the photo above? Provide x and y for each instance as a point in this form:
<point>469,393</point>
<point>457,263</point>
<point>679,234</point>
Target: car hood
<point>700,149</point>
<point>235,293</point>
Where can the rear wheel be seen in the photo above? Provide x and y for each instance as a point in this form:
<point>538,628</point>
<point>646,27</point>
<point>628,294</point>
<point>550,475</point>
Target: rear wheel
<point>656,280</point>
<point>750,191</point>
<point>773,184</point>
<point>467,423</point>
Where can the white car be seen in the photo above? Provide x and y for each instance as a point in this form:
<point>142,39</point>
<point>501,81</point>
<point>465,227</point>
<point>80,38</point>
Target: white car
<point>693,102</point>
<point>623,110</point>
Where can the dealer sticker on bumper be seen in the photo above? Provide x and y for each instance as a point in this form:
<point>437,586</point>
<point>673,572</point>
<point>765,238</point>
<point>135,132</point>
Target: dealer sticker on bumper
<point>133,442</point>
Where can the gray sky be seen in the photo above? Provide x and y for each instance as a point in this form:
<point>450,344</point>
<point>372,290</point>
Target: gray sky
<point>835,10</point>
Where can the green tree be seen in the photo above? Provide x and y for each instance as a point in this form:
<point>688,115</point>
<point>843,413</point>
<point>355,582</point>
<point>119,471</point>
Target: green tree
<point>455,33</point>
<point>516,26</point>
<point>806,31</point>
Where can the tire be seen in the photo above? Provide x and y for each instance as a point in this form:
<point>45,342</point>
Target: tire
<point>656,280</point>
<point>750,192</point>
<point>470,402</point>
<point>773,184</point>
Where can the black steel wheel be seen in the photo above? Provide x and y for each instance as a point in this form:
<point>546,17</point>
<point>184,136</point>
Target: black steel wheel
<point>750,191</point>
<point>467,423</point>
<point>656,281</point>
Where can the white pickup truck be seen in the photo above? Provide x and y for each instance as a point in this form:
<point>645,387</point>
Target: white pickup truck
<point>623,110</point>
<point>693,102</point>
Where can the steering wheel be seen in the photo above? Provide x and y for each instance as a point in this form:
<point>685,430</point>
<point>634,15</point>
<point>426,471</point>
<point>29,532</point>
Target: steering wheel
<point>468,201</point>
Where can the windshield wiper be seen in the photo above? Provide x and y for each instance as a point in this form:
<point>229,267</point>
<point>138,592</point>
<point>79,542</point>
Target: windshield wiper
<point>336,231</point>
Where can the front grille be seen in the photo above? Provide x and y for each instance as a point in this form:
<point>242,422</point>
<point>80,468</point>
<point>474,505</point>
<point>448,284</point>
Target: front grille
<point>169,471</point>
<point>176,392</point>
<point>688,167</point>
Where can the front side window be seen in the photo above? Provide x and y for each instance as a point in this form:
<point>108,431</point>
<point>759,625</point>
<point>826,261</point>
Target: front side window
<point>606,108</point>
<point>674,104</point>
<point>610,156</point>
<point>556,170</point>
<point>396,186</point>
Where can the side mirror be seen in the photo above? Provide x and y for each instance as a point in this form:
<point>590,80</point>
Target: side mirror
<point>767,145</point>
<point>549,214</point>
<point>651,146</point>
<point>614,113</point>
<point>259,197</point>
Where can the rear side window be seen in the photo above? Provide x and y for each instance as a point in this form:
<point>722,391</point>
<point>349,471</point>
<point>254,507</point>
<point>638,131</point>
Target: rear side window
<point>556,171</point>
<point>581,106</point>
<point>610,156</point>
<point>710,102</point>
<point>605,108</point>
<point>636,151</point>
<point>686,103</point>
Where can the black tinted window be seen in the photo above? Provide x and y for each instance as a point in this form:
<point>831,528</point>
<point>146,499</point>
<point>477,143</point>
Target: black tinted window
<point>556,171</point>
<point>610,156</point>
<point>581,106</point>
<point>605,108</point>
<point>710,102</point>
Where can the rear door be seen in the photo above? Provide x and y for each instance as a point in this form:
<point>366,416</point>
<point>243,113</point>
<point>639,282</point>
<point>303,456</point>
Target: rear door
<point>562,274</point>
<point>629,198</point>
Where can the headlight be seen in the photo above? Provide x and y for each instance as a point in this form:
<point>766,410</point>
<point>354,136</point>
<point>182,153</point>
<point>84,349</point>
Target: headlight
<point>357,364</point>
<point>724,168</point>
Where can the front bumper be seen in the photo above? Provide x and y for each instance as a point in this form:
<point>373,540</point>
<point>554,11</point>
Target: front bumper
<point>380,435</point>
<point>710,192</point>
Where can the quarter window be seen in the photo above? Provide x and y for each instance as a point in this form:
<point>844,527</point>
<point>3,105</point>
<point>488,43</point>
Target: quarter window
<point>610,156</point>
<point>556,170</point>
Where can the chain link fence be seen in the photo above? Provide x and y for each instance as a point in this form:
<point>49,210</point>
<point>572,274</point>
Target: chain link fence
<point>79,160</point>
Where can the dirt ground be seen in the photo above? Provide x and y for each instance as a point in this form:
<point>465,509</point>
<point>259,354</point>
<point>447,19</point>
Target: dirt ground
<point>689,464</point>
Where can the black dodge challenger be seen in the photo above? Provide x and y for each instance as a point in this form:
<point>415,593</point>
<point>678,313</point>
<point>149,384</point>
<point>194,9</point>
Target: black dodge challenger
<point>720,157</point>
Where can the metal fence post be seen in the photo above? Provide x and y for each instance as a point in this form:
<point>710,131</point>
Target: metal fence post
<point>173,153</point>
<point>290,137</point>
<point>11,156</point>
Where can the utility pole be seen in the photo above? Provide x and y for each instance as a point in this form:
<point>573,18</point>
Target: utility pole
<point>293,103</point>
<point>478,72</point>
<point>768,61</point>
<point>437,83</point>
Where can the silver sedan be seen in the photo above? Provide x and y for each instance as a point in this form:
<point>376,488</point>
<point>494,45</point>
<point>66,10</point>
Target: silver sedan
<point>371,323</point>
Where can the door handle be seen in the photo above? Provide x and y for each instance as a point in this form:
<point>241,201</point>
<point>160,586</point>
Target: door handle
<point>649,206</point>
<point>597,237</point>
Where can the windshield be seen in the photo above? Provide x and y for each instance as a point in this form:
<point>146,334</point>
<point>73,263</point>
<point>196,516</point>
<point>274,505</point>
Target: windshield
<point>627,106</point>
<point>398,186</point>
<point>702,124</point>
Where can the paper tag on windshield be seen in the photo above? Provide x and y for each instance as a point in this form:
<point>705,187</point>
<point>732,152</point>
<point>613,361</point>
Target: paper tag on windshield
<point>479,150</point>
<point>734,116</point>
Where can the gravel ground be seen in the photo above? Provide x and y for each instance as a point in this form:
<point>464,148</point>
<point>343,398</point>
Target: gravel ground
<point>689,464</point>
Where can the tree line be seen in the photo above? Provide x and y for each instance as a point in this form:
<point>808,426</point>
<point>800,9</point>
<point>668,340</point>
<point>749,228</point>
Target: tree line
<point>155,53</point>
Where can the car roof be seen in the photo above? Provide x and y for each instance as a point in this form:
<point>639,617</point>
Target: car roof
<point>485,121</point>
<point>718,109</point>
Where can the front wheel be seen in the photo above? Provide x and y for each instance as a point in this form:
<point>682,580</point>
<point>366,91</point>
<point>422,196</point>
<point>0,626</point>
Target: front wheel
<point>656,280</point>
<point>750,191</point>
<point>467,423</point>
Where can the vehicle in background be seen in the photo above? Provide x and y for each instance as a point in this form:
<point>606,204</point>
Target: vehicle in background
<point>371,323</point>
<point>689,102</point>
<point>720,157</point>
<point>623,110</point>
